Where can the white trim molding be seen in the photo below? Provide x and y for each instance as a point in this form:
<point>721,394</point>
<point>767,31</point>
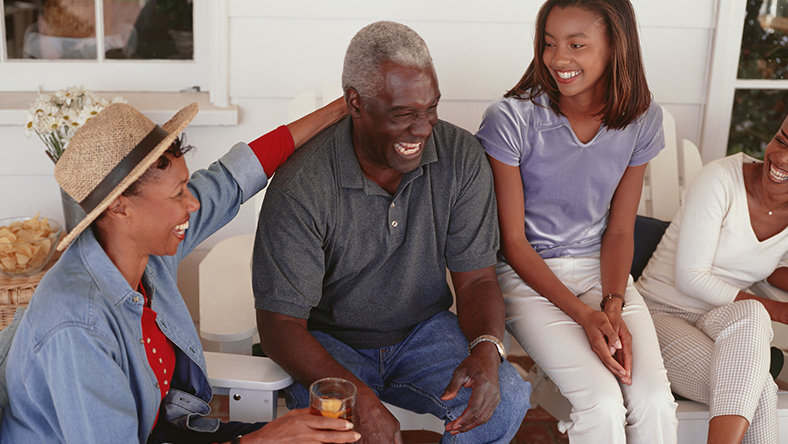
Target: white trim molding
<point>722,78</point>
<point>220,52</point>
<point>158,106</point>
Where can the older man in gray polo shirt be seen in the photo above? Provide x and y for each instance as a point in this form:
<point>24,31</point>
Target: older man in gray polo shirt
<point>355,235</point>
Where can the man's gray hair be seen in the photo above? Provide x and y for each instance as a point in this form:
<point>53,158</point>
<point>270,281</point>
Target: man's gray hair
<point>376,44</point>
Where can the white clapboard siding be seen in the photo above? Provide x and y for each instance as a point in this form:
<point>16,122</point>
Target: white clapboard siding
<point>278,49</point>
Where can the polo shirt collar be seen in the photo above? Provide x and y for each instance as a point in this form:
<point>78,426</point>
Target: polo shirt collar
<point>350,174</point>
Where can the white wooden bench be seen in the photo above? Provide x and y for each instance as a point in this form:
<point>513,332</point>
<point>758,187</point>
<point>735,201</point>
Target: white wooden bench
<point>251,383</point>
<point>693,416</point>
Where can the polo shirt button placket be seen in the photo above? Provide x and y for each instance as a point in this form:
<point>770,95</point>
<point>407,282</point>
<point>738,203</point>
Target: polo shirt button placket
<point>392,223</point>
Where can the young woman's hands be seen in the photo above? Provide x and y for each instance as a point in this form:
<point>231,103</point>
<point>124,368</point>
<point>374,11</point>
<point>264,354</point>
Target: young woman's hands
<point>622,355</point>
<point>611,341</point>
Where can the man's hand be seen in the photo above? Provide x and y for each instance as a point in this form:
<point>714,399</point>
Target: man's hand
<point>479,372</point>
<point>374,421</point>
<point>299,427</point>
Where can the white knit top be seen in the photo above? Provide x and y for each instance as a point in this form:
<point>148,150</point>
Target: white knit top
<point>710,252</point>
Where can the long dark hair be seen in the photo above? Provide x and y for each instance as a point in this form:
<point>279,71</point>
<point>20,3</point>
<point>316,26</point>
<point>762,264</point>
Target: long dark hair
<point>627,95</point>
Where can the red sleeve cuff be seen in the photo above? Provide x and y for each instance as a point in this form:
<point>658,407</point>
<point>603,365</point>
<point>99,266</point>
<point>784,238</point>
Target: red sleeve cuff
<point>273,148</point>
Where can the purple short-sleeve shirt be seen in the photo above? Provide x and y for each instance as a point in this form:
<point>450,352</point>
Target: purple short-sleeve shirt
<point>567,185</point>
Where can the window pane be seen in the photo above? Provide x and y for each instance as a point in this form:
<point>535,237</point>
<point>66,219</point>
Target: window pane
<point>757,115</point>
<point>119,34</point>
<point>148,29</point>
<point>764,47</point>
<point>66,29</point>
<point>19,15</point>
<point>51,29</point>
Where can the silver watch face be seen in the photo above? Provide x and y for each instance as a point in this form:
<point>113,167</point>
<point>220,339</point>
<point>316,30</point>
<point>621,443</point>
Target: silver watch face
<point>489,338</point>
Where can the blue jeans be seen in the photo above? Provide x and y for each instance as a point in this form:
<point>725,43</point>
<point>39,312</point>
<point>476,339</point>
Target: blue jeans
<point>414,373</point>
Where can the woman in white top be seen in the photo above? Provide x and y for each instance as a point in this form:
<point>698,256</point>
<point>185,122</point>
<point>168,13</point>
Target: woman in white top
<point>729,233</point>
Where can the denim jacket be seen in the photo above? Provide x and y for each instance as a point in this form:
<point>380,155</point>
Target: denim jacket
<point>77,370</point>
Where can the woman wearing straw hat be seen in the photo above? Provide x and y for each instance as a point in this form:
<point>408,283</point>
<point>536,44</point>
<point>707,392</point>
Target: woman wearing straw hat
<point>107,351</point>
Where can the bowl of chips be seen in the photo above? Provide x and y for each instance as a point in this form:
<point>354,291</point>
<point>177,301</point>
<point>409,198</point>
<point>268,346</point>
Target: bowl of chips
<point>27,244</point>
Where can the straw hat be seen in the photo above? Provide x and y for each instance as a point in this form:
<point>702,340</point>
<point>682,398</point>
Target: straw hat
<point>109,153</point>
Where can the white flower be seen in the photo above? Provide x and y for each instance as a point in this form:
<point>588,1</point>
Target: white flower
<point>50,124</point>
<point>91,111</point>
<point>50,110</point>
<point>77,90</point>
<point>69,114</point>
<point>81,119</point>
<point>69,95</point>
<point>54,118</point>
<point>30,123</point>
<point>73,126</point>
<point>39,105</point>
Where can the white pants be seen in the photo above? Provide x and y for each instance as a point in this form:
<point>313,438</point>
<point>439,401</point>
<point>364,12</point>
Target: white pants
<point>603,409</point>
<point>721,359</point>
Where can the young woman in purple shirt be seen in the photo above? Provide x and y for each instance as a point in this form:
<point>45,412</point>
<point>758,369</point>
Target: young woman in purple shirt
<point>568,147</point>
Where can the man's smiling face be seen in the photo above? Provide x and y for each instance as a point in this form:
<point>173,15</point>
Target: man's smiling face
<point>391,128</point>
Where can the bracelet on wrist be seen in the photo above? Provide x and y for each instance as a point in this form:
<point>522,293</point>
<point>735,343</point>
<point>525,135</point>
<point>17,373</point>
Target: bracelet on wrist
<point>611,296</point>
<point>488,338</point>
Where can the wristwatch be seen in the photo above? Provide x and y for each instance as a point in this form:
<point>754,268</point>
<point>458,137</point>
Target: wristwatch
<point>488,338</point>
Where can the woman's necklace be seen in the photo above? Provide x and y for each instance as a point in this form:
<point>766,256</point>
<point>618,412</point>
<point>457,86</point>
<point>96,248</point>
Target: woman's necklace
<point>770,212</point>
<point>778,209</point>
<point>763,201</point>
<point>760,197</point>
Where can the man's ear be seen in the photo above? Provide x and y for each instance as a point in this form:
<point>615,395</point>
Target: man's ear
<point>354,104</point>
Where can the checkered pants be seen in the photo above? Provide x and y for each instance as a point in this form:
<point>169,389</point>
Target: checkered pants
<point>721,359</point>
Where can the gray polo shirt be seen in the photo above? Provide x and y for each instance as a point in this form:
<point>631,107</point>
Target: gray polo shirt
<point>360,264</point>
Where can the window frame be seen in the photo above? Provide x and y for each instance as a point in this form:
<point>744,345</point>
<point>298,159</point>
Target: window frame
<point>209,68</point>
<point>724,81</point>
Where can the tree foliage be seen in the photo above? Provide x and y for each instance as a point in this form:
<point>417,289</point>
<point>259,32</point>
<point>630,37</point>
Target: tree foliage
<point>758,113</point>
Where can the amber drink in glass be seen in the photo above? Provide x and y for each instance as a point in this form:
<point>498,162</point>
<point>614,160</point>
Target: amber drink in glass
<point>333,398</point>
